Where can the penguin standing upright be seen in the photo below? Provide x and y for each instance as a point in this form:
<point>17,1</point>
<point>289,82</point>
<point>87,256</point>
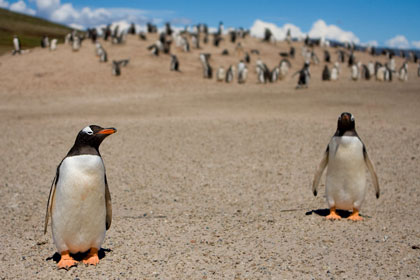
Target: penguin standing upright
<point>80,202</point>
<point>220,75</point>
<point>304,76</point>
<point>174,63</point>
<point>242,72</point>
<point>16,45</point>
<point>230,74</point>
<point>326,74</point>
<point>347,159</point>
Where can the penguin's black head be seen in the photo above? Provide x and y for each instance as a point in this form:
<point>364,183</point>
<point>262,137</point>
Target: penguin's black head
<point>93,135</point>
<point>345,124</point>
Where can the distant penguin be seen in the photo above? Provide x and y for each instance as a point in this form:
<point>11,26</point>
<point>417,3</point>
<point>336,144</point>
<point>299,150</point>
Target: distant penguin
<point>76,43</point>
<point>371,68</point>
<point>116,66</point>
<point>403,72</point>
<point>154,49</point>
<point>220,75</point>
<point>247,58</point>
<point>418,70</point>
<point>341,56</point>
<point>391,62</point>
<point>230,74</point>
<point>255,51</point>
<point>275,73</point>
<point>347,159</point>
<point>79,202</point>
<point>242,72</point>
<point>103,56</point>
<point>225,52</point>
<point>327,57</point>
<point>334,73</point>
<point>292,52</point>
<point>53,45</point>
<point>304,76</point>
<point>16,45</point>
<point>174,63</point>
<point>355,72</point>
<point>284,66</point>
<point>207,69</point>
<point>326,76</point>
<point>351,59</point>
<point>365,73</point>
<point>142,36</point>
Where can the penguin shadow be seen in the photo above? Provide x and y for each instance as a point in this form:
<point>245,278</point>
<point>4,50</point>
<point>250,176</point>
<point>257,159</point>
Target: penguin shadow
<point>79,256</point>
<point>325,212</point>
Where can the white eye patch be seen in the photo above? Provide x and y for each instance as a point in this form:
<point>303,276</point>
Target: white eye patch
<point>88,130</point>
<point>352,118</point>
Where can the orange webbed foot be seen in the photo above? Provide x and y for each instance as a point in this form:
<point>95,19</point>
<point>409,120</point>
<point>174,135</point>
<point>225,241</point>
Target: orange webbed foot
<point>92,258</point>
<point>355,216</point>
<point>66,261</point>
<point>333,215</point>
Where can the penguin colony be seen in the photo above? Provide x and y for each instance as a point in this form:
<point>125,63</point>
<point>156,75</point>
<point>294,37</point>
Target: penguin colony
<point>82,173</point>
<point>197,36</point>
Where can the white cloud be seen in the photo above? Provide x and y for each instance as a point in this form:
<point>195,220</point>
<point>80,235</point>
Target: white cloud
<point>398,41</point>
<point>372,43</point>
<point>20,7</point>
<point>4,4</point>
<point>415,44</point>
<point>47,6</point>
<point>76,26</point>
<point>279,33</point>
<point>321,30</point>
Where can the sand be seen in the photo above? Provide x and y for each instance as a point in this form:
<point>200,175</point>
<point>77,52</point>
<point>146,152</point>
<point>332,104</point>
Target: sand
<point>208,180</point>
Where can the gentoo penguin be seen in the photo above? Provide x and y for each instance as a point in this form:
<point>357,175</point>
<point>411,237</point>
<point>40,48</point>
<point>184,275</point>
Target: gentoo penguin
<point>53,45</point>
<point>355,71</point>
<point>174,63</point>
<point>403,72</point>
<point>16,45</point>
<point>230,74</point>
<point>284,68</point>
<point>365,73</point>
<point>347,159</point>
<point>304,76</point>
<point>142,36</point>
<point>154,49</point>
<point>275,74</point>
<point>242,72</point>
<point>327,57</point>
<point>116,66</point>
<point>79,202</point>
<point>220,74</point>
<point>326,74</point>
<point>335,71</point>
<point>418,70</point>
<point>103,57</point>
<point>207,69</point>
<point>76,43</point>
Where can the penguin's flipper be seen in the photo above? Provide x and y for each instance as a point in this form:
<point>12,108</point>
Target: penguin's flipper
<point>51,199</point>
<point>372,172</point>
<point>108,205</point>
<point>319,171</point>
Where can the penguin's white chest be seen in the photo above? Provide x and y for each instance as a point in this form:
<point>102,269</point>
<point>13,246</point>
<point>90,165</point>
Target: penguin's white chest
<point>346,174</point>
<point>79,211</point>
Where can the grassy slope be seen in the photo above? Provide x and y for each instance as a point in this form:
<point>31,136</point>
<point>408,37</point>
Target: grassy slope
<point>29,29</point>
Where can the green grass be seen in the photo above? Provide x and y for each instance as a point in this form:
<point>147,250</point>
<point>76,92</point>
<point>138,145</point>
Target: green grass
<point>29,30</point>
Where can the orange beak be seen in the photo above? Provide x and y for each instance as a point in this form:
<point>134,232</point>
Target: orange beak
<point>107,131</point>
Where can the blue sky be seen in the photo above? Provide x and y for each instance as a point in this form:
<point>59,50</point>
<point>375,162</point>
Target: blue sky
<point>369,21</point>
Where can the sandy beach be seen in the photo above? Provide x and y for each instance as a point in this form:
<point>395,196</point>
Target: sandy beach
<point>208,180</point>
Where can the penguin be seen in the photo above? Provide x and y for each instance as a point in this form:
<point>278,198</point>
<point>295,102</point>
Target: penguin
<point>351,59</point>
<point>103,56</point>
<point>371,68</point>
<point>16,45</point>
<point>355,71</point>
<point>275,74</point>
<point>79,202</point>
<point>326,76</point>
<point>335,71</point>
<point>76,43</point>
<point>53,45</point>
<point>327,57</point>
<point>220,75</point>
<point>207,69</point>
<point>347,158</point>
<point>365,72</point>
<point>391,62</point>
<point>242,72</point>
<point>154,50</point>
<point>116,66</point>
<point>418,70</point>
<point>403,72</point>
<point>284,68</point>
<point>174,63</point>
<point>142,36</point>
<point>304,76</point>
<point>230,74</point>
<point>247,58</point>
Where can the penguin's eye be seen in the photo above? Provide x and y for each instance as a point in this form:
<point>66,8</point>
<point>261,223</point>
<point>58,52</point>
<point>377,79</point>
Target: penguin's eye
<point>89,132</point>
